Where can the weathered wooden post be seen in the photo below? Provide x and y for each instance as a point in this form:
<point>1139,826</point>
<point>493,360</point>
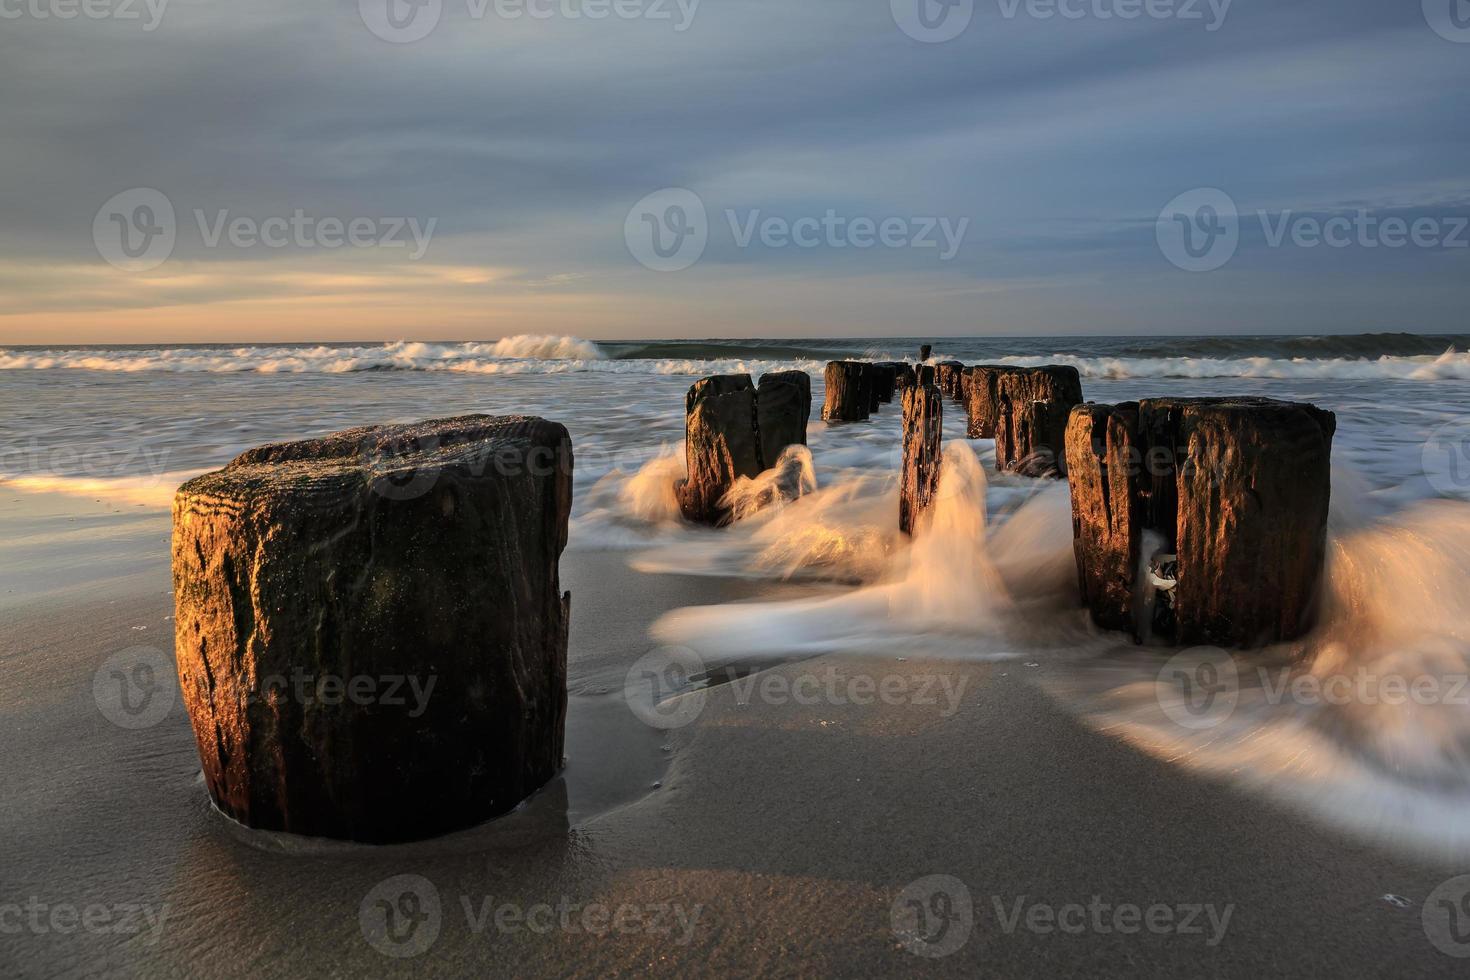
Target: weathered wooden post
<point>847,398</point>
<point>783,409</point>
<point>950,375</point>
<point>923,432</point>
<point>721,444</point>
<point>982,404</point>
<point>888,372</point>
<point>924,351</point>
<point>906,376</point>
<point>370,632</point>
<point>1235,489</point>
<point>873,383</point>
<point>1031,420</point>
<point>1104,454</point>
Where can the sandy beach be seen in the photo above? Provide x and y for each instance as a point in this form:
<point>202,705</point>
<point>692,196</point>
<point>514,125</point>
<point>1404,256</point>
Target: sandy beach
<point>768,836</point>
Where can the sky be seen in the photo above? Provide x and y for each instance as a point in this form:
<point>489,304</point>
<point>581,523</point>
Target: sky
<point>284,170</point>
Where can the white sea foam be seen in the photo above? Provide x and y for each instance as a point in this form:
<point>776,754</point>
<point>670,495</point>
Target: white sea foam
<point>526,354</point>
<point>1449,365</point>
<point>947,592</point>
<point>531,354</point>
<point>971,586</point>
<point>153,491</point>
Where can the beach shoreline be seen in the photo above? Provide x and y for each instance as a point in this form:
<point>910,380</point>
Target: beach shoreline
<point>791,827</point>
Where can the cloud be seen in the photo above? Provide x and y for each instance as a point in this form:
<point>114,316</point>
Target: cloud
<point>528,140</point>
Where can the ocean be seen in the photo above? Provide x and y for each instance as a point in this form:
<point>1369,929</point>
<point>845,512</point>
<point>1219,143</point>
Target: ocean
<point>127,423</point>
<point>94,440</point>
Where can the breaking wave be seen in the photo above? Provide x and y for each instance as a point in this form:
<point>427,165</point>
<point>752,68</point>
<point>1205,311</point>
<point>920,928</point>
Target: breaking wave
<point>1451,365</point>
<point>522,353</point>
<point>547,348</point>
<point>536,354</point>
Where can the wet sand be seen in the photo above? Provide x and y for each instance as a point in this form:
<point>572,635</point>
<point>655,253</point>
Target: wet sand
<point>777,840</point>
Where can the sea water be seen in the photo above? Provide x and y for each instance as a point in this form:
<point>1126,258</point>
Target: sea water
<point>990,577</point>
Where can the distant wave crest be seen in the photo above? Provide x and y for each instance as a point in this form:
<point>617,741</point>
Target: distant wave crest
<point>1450,365</point>
<point>537,354</point>
<point>547,348</point>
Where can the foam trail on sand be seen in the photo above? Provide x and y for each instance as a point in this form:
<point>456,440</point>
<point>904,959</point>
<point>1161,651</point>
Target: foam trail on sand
<point>155,492</point>
<point>1364,724</point>
<point>941,594</point>
<point>1329,725</point>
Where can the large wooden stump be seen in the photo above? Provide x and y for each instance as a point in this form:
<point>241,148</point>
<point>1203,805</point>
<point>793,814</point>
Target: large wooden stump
<point>1030,438</point>
<point>370,633</point>
<point>715,385</point>
<point>982,399</point>
<point>1031,419</point>
<point>873,382</point>
<point>923,432</point>
<point>847,398</point>
<point>1103,456</point>
<point>906,376</point>
<point>950,377</point>
<point>721,443</point>
<point>925,350</point>
<point>888,372</point>
<point>783,407</point>
<point>1235,490</point>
